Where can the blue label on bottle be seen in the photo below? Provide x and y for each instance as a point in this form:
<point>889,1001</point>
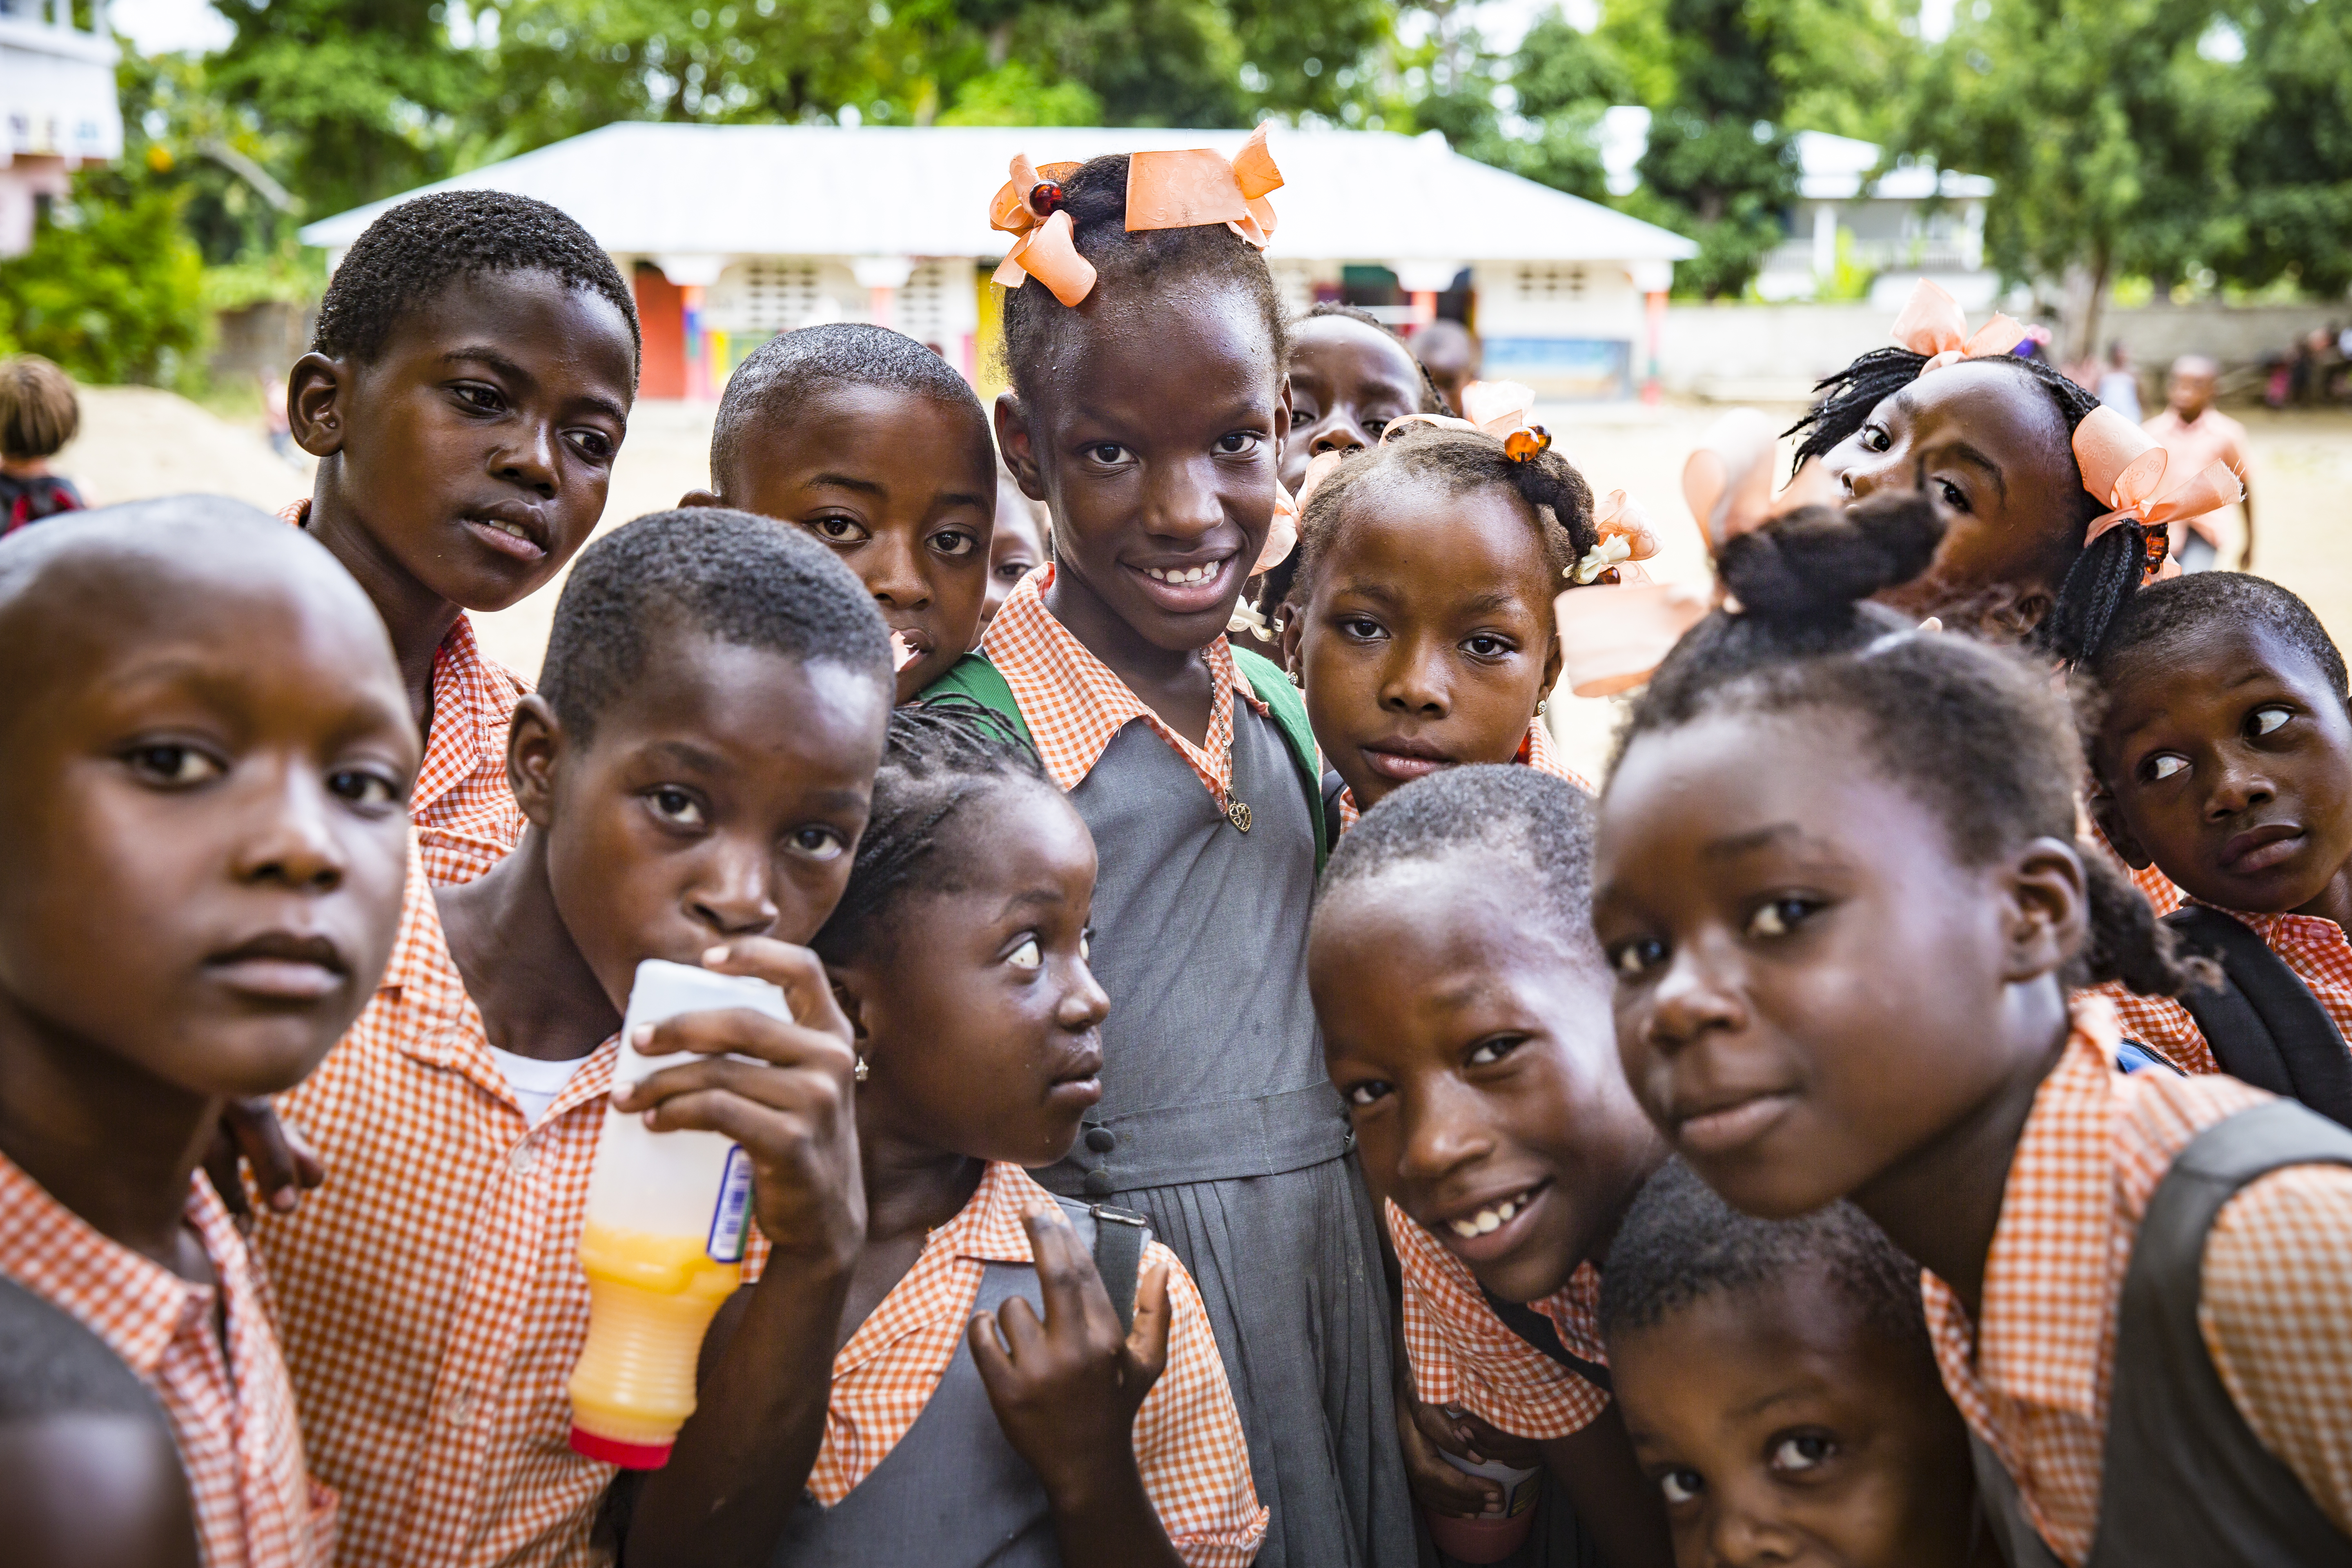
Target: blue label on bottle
<point>729,1218</point>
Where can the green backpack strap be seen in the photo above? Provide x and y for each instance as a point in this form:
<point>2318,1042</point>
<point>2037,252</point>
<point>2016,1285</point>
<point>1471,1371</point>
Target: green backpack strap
<point>975,679</point>
<point>1287,709</point>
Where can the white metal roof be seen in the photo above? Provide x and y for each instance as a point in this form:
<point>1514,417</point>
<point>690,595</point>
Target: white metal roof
<point>1829,168</point>
<point>793,190</point>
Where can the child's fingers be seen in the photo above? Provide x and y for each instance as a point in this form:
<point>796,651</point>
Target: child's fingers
<point>717,1044</point>
<point>795,971</point>
<point>1024,1336</point>
<point>1147,1337</point>
<point>1076,1301</point>
<point>1437,1484</point>
<point>1451,1433</point>
<point>282,1164</point>
<point>989,1354</point>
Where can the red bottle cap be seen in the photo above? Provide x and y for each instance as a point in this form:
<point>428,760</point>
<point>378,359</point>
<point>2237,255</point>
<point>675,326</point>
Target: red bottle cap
<point>628,1455</point>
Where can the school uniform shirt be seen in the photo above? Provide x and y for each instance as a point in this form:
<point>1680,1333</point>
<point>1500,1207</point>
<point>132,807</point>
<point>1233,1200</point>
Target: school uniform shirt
<point>1463,1354</point>
<point>2314,948</point>
<point>2195,446</point>
<point>209,1354</point>
<point>430,1295</point>
<point>2033,1374</point>
<point>1538,750</point>
<point>463,813</point>
<point>1188,1439</point>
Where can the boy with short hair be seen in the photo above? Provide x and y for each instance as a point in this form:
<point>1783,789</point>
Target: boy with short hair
<point>1781,1388</point>
<point>2197,435</point>
<point>874,444</point>
<point>39,415</point>
<point>697,770</point>
<point>208,725</point>
<point>465,392</point>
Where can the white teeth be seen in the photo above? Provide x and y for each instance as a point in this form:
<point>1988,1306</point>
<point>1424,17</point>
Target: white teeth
<point>1490,1219</point>
<point>1190,575</point>
<point>510,528</point>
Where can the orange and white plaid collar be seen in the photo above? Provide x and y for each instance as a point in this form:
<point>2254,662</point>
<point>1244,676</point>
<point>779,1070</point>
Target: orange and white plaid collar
<point>1075,705</point>
<point>986,1230</point>
<point>1537,751</point>
<point>2045,1305</point>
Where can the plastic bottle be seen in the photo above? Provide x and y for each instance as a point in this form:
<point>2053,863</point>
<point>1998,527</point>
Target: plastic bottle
<point>663,1241</point>
<point>1488,1538</point>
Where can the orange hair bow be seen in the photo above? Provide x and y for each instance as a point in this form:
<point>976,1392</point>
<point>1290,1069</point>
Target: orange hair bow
<point>2126,468</point>
<point>1164,190</point>
<point>1029,206</point>
<point>1933,323</point>
<point>1625,536</point>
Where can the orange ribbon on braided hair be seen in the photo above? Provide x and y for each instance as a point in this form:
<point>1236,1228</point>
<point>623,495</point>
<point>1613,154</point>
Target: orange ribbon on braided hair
<point>2126,468</point>
<point>1933,323</point>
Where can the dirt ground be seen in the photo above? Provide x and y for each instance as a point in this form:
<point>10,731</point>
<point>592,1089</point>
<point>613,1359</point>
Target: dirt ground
<point>136,442</point>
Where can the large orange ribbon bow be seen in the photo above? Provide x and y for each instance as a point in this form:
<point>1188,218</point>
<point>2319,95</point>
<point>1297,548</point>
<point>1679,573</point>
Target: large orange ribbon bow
<point>2126,468</point>
<point>1933,323</point>
<point>1164,190</point>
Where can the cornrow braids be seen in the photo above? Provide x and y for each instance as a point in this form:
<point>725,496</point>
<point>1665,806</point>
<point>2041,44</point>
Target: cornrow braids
<point>1558,501</point>
<point>2098,579</point>
<point>1973,732</point>
<point>940,758</point>
<point>1144,263</point>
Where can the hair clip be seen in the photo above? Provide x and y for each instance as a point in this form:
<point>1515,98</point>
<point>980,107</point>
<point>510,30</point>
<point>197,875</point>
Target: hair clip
<point>1600,562</point>
<point>1526,444</point>
<point>1045,197</point>
<point>2159,546</point>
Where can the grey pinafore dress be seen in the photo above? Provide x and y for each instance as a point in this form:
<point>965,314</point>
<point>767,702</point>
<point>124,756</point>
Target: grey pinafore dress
<point>952,1493</point>
<point>1218,1124</point>
<point>2184,1483</point>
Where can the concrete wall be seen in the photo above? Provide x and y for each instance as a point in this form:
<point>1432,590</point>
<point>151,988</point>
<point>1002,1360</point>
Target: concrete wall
<point>1774,352</point>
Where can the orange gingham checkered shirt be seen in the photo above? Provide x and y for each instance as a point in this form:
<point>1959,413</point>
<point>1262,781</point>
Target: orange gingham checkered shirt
<point>1464,1354</point>
<point>2033,1376</point>
<point>1075,705</point>
<point>465,814</point>
<point>430,1295</point>
<point>1536,750</point>
<point>1188,1439</point>
<point>231,1409</point>
<point>2315,949</point>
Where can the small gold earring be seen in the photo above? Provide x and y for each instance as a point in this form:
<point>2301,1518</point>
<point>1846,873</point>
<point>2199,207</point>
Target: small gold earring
<point>862,1070</point>
<point>1541,703</point>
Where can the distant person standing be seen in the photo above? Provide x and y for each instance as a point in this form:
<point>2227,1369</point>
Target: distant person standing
<point>2118,385</point>
<point>2196,434</point>
<point>1451,354</point>
<point>39,415</point>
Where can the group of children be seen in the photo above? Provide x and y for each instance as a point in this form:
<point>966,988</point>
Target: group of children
<point>1236,1107</point>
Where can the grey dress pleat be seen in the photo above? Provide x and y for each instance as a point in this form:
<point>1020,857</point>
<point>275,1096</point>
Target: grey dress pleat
<point>1218,1122</point>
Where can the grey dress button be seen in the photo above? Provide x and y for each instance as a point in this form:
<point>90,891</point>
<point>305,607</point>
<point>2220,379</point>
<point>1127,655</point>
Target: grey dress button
<point>1102,1140</point>
<point>1099,1183</point>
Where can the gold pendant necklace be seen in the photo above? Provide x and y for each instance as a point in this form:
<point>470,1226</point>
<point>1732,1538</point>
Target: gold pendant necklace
<point>1237,811</point>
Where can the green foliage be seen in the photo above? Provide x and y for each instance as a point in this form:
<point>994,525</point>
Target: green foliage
<point>112,287</point>
<point>1720,158</point>
<point>1012,94</point>
<point>2293,162</point>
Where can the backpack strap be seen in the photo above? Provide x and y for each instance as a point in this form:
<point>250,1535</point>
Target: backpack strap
<point>1120,1235</point>
<point>975,679</point>
<point>1537,1330</point>
<point>2263,1024</point>
<point>1287,709</point>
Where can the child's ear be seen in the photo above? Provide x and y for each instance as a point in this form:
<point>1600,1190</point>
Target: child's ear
<point>316,388</point>
<point>2048,914</point>
<point>2109,817</point>
<point>1013,441</point>
<point>1555,660</point>
<point>535,742</point>
<point>699,497</point>
<point>849,991</point>
<point>1293,632</point>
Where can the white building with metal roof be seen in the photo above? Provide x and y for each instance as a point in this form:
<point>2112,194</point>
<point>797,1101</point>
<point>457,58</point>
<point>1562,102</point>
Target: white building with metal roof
<point>735,231</point>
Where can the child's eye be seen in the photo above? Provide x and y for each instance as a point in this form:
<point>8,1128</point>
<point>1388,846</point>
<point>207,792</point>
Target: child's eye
<point>1028,955</point>
<point>1362,628</point>
<point>364,789</point>
<point>675,807</point>
<point>1802,1452</point>
<point>1014,571</point>
<point>1371,1092</point>
<point>179,766</point>
<point>838,530</point>
<point>1487,1053</point>
<point>1633,959</point>
<point>1485,645</point>
<point>1301,415</point>
<point>1681,1486</point>
<point>1779,917</point>
<point>1876,438</point>
<point>953,542</point>
<point>487,399</point>
<point>595,444</point>
<point>2162,767</point>
<point>820,843</point>
<point>1086,943</point>
<point>1954,497</point>
<point>2263,721</point>
<point>1105,452</point>
<point>1373,427</point>
<point>1237,441</point>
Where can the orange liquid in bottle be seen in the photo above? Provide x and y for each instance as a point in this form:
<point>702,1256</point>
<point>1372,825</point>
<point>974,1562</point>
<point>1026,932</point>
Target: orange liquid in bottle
<point>650,1297</point>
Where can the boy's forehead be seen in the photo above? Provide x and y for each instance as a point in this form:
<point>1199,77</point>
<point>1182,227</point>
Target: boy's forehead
<point>865,429</point>
<point>519,312</point>
<point>2210,659</point>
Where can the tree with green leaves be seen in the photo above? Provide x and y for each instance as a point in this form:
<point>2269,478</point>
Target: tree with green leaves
<point>2292,164</point>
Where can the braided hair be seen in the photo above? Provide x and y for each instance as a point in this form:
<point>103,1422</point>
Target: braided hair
<point>2097,581</point>
<point>1145,262</point>
<point>1559,502</point>
<point>941,758</point>
<point>1973,732</point>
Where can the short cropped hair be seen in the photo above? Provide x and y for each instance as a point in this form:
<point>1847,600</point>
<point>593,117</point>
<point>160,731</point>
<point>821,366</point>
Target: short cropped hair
<point>414,251</point>
<point>2163,613</point>
<point>38,411</point>
<point>728,575</point>
<point>770,388</point>
<point>1531,823</point>
<point>1680,1243</point>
